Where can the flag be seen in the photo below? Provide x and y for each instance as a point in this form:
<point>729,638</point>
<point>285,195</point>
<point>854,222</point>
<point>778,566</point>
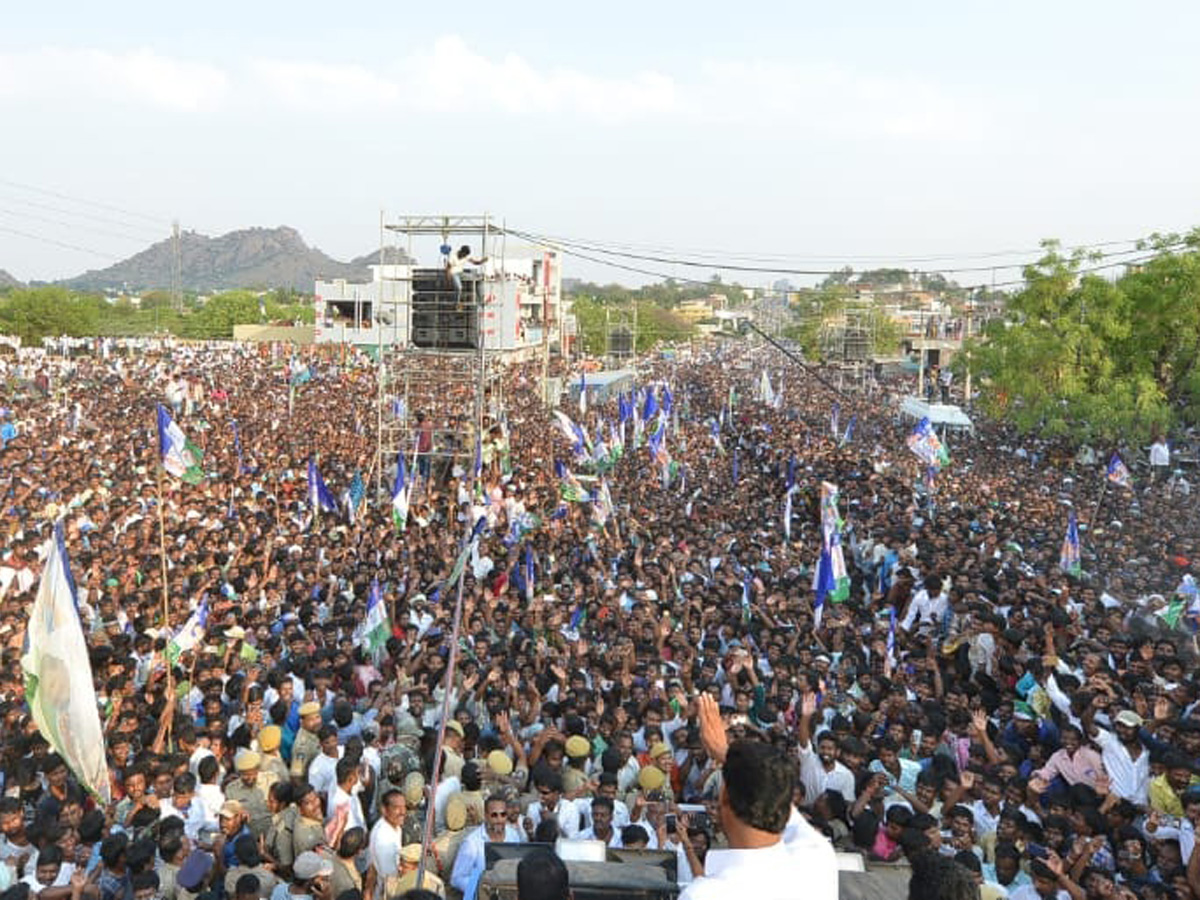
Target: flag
<point>1068,559</point>
<point>319,496</point>
<point>582,394</point>
<point>831,578</point>
<point>237,448</point>
<point>668,401</point>
<point>529,574</point>
<point>735,465</point>
<point>834,414</point>
<point>1118,474</point>
<point>787,513</point>
<point>572,433</point>
<point>747,589</point>
<point>58,675</point>
<point>714,429</point>
<point>891,638</point>
<point>765,394</point>
<point>460,564</point>
<point>400,494</point>
<point>190,634</point>
<point>1173,612</point>
<point>849,433</point>
<point>180,457</point>
<point>651,406</point>
<point>375,627</point>
<point>925,444</point>
<point>354,496</point>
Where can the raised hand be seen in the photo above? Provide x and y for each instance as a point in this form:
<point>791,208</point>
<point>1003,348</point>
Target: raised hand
<point>712,729</point>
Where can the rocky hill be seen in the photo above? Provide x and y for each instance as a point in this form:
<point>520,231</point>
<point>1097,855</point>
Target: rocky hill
<point>249,258</point>
<point>7,280</point>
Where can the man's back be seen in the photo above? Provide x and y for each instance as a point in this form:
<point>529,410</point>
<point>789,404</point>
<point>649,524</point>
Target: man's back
<point>803,857</point>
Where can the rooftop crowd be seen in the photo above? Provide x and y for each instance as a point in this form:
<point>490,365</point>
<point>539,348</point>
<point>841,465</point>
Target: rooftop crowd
<point>623,660</point>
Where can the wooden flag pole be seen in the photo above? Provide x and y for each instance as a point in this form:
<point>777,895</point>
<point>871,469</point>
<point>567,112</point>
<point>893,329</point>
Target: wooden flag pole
<point>162,553</point>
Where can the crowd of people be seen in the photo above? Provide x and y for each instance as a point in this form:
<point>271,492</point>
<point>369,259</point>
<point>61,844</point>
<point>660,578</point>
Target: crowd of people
<point>641,658</point>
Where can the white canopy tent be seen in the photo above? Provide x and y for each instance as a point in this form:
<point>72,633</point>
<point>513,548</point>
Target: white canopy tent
<point>940,415</point>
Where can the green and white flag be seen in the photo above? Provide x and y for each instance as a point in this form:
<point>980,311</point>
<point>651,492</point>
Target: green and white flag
<point>375,628</point>
<point>180,457</point>
<point>58,676</point>
<point>191,634</point>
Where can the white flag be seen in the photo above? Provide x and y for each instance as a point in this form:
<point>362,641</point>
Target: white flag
<point>58,675</point>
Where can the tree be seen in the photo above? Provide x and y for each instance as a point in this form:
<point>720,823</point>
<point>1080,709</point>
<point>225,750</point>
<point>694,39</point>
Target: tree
<point>1094,359</point>
<point>35,313</point>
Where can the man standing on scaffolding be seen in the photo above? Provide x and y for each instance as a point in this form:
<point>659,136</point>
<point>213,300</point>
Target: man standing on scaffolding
<point>455,264</point>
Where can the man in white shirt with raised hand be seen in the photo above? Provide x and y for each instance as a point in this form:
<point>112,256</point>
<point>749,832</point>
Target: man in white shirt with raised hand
<point>774,854</point>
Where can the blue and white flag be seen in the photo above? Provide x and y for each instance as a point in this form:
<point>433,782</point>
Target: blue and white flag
<point>583,403</point>
<point>190,634</point>
<point>401,489</point>
<point>1069,559</point>
<point>58,676</point>
<point>1118,474</point>
<point>651,406</point>
<point>529,574</point>
<point>180,457</point>
<point>320,498</point>
<point>375,629</point>
<point>849,433</point>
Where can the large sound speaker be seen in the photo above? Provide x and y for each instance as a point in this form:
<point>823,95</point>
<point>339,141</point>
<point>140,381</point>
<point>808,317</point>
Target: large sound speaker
<point>442,319</point>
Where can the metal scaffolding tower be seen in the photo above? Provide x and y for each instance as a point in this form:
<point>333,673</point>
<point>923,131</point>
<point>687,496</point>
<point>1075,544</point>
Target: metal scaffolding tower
<point>435,368</point>
<point>848,341</point>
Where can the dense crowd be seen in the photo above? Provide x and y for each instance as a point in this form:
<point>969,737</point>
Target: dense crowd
<point>966,704</point>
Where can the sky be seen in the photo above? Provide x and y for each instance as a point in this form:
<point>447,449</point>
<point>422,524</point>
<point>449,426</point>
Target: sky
<point>800,136</point>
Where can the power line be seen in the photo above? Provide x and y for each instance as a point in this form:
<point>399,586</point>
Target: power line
<point>81,201</point>
<point>119,235</point>
<point>879,261</point>
<point>571,251</point>
<point>107,220</point>
<point>56,243</point>
<point>737,267</point>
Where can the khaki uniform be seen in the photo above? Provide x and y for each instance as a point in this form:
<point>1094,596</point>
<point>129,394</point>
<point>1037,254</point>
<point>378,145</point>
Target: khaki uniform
<point>254,802</point>
<point>345,877</point>
<point>273,770</point>
<point>307,834</point>
<point>279,836</point>
<point>396,885</point>
<point>305,749</point>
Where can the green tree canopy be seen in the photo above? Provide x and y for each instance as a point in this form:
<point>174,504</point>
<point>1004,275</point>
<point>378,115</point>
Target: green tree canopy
<point>1084,356</point>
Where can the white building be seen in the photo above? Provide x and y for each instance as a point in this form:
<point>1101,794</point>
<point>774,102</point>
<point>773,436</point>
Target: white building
<point>520,302</point>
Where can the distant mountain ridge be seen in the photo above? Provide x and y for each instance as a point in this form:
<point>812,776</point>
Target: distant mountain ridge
<point>7,280</point>
<point>247,258</point>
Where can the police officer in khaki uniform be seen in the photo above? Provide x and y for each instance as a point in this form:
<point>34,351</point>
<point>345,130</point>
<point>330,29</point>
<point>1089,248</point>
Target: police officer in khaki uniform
<point>273,767</point>
<point>406,878</point>
<point>575,777</point>
<point>444,847</point>
<point>248,790</point>
<point>306,747</point>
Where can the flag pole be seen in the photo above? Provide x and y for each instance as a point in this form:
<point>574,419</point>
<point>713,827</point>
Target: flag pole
<point>451,666</point>
<point>162,553</point>
<point>1095,512</point>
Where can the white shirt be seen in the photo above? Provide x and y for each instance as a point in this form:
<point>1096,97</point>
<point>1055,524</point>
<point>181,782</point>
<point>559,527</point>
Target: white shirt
<point>566,814</point>
<point>322,773</point>
<point>817,780</point>
<point>802,864</point>
<point>924,608</point>
<point>355,818</point>
<point>1129,778</point>
<point>471,858</point>
<point>1029,892</point>
<point>384,848</point>
<point>1160,454</point>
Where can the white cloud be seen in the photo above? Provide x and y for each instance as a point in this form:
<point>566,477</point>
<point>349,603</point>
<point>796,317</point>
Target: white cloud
<point>451,78</point>
<point>324,85</point>
<point>836,99</point>
<point>137,76</point>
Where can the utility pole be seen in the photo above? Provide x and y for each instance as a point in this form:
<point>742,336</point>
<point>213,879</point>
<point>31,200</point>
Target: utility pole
<point>967,337</point>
